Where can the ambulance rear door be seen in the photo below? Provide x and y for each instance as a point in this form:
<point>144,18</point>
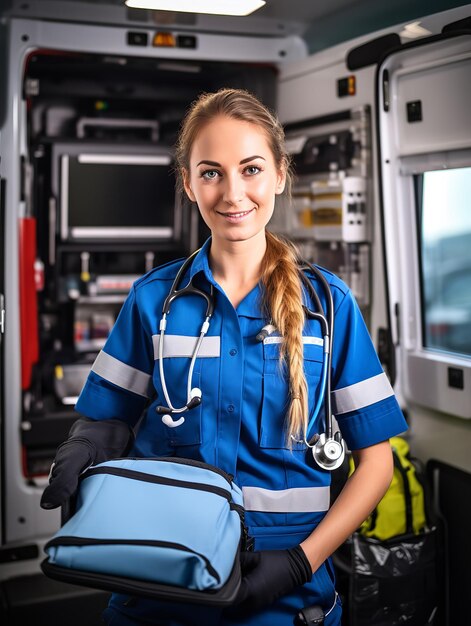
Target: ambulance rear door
<point>424,126</point>
<point>424,160</point>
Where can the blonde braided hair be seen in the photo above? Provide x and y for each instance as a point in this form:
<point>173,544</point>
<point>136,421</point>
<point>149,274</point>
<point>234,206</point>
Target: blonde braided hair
<point>282,297</point>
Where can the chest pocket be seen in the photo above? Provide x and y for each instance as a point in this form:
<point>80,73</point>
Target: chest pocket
<point>178,350</point>
<point>276,397</point>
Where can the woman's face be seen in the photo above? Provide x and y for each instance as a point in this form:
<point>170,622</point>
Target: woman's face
<point>233,178</point>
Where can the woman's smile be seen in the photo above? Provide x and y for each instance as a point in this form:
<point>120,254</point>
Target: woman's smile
<point>236,217</point>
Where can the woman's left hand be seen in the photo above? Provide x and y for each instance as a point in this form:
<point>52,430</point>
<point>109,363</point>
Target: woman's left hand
<point>269,574</point>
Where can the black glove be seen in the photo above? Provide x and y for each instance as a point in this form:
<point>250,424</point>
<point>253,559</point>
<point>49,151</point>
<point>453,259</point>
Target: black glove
<point>89,442</point>
<point>269,574</point>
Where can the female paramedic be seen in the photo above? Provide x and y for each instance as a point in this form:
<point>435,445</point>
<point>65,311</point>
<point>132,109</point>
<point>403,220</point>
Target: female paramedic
<point>253,315</point>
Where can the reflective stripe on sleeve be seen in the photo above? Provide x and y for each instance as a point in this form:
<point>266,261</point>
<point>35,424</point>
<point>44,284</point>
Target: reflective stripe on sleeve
<point>183,346</point>
<point>295,500</point>
<point>115,371</point>
<point>361,394</point>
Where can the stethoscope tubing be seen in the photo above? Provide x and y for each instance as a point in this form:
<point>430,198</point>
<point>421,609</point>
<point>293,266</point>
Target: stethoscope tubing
<point>326,322</point>
<point>327,361</point>
<point>175,293</point>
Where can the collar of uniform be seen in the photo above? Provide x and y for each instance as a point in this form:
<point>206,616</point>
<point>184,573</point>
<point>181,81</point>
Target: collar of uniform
<point>201,263</point>
<point>250,305</point>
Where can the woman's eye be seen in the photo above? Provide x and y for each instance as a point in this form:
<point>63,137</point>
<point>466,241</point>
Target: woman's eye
<point>210,174</point>
<point>252,169</point>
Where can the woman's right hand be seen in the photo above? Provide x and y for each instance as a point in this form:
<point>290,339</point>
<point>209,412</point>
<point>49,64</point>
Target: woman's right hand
<point>90,441</point>
<point>72,458</point>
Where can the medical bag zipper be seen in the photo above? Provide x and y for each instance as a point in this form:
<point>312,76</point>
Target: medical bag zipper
<point>189,462</point>
<point>158,480</point>
<point>247,543</point>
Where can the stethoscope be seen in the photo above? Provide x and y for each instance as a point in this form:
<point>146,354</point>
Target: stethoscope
<point>328,449</point>
<point>193,394</point>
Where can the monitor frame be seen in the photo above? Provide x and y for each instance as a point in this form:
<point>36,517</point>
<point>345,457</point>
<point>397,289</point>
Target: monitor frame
<point>121,154</point>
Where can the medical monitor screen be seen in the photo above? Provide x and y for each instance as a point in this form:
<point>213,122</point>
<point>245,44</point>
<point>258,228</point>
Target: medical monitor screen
<point>122,196</point>
<point>444,227</point>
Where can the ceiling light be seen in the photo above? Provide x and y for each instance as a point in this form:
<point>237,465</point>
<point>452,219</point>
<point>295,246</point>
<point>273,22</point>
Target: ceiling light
<point>220,7</point>
<point>414,30</point>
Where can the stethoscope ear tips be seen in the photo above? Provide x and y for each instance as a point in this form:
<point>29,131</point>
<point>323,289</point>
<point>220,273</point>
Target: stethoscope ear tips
<point>167,419</point>
<point>195,398</point>
<point>196,393</point>
<point>170,422</point>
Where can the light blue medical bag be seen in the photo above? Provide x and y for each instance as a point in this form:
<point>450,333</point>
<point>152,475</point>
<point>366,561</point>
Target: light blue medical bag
<point>165,528</point>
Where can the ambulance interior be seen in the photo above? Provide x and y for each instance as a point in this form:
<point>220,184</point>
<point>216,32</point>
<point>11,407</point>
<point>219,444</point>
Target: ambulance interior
<point>379,128</point>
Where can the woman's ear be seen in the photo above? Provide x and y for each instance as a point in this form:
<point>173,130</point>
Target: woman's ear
<point>187,186</point>
<point>281,180</point>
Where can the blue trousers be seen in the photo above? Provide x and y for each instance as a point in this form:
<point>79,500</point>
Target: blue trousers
<point>281,613</point>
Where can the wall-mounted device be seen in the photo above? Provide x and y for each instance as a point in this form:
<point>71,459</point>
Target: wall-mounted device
<point>333,209</point>
<point>323,153</point>
<point>114,192</point>
<point>354,209</point>
<point>331,196</point>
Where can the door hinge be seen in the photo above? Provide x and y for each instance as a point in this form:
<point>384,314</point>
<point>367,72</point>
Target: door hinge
<point>397,320</point>
<point>2,314</point>
<point>386,101</point>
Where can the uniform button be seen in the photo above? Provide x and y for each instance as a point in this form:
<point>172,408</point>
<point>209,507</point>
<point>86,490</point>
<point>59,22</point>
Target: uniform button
<point>230,408</point>
<point>233,352</point>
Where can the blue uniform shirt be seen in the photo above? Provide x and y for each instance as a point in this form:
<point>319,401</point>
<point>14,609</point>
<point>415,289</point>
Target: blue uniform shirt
<point>240,423</point>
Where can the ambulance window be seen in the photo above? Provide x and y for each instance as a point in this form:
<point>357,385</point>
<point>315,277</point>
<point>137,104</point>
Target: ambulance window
<point>444,219</point>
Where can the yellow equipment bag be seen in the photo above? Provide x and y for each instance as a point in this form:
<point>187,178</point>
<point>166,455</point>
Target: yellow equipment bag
<point>402,510</point>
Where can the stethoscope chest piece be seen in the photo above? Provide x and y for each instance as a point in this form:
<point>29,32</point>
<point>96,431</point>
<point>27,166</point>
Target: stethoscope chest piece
<point>329,453</point>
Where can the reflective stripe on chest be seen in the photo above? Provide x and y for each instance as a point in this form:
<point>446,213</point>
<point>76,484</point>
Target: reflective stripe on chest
<point>184,346</point>
<point>294,500</point>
